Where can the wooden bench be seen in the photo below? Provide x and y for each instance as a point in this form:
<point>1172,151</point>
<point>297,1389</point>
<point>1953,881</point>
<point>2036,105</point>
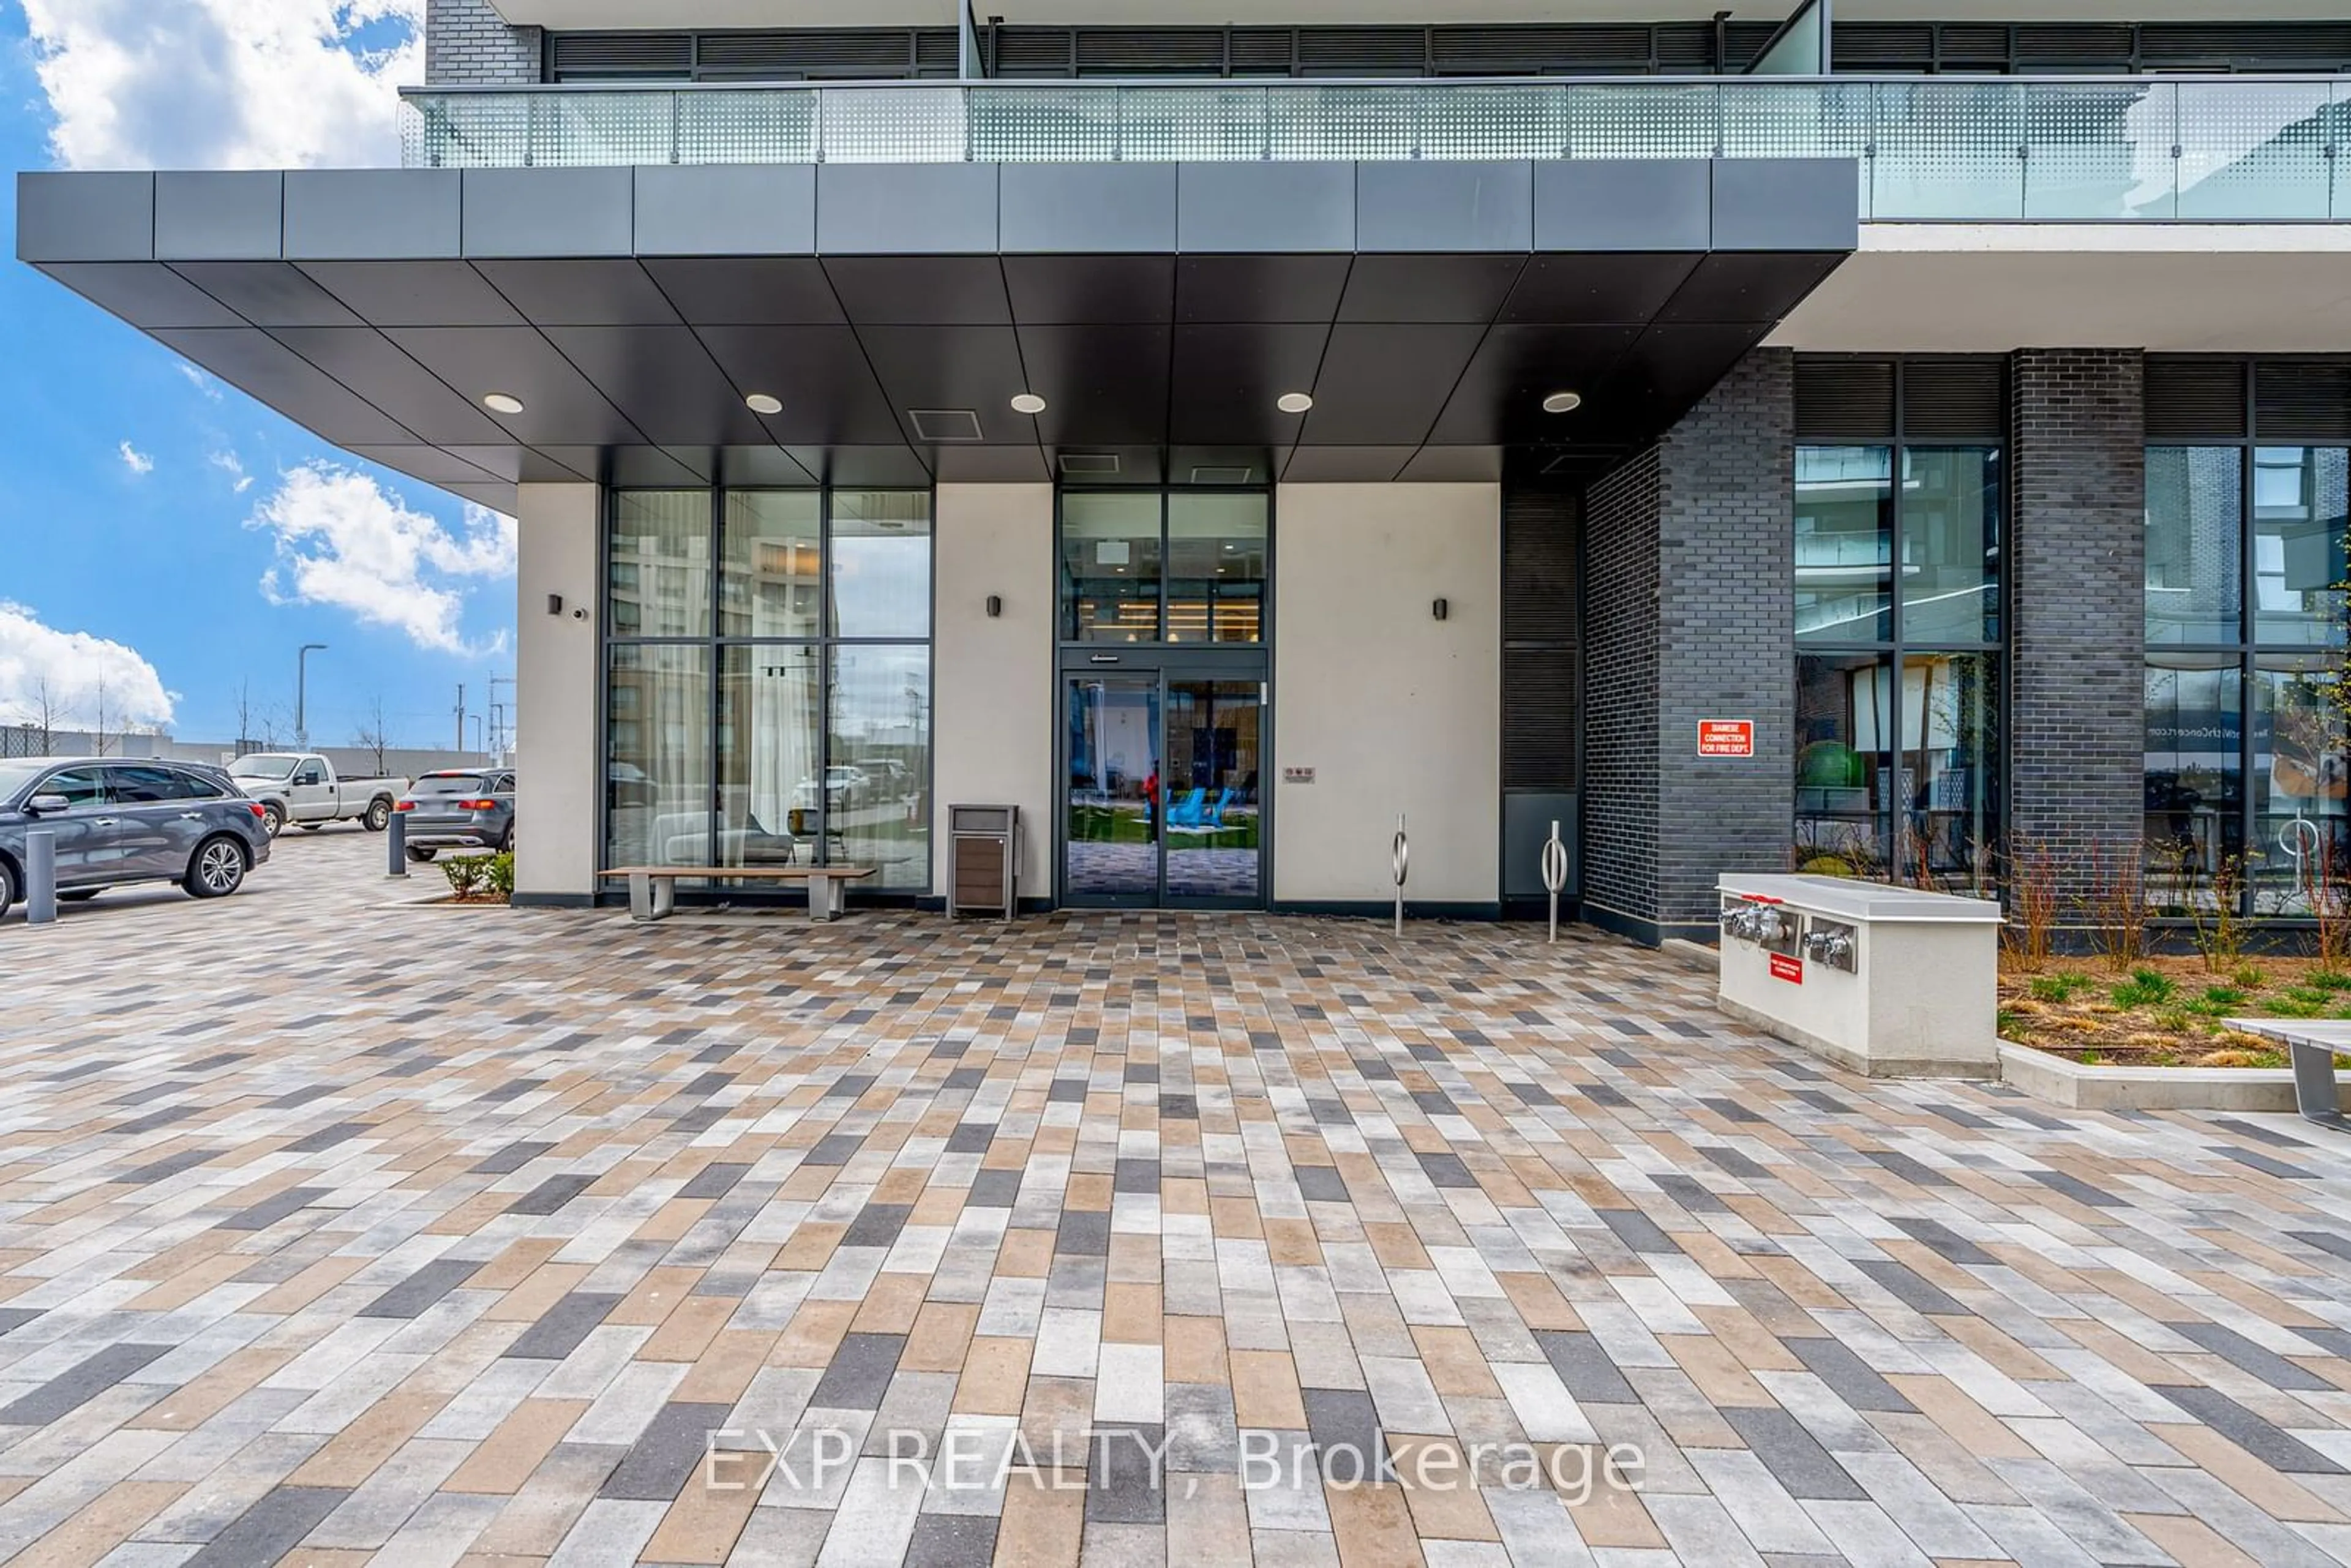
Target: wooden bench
<point>652,888</point>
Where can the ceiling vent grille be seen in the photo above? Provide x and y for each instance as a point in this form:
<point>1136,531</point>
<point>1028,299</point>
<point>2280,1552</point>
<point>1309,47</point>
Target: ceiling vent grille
<point>2304,401</point>
<point>1844,398</point>
<point>941,424</point>
<point>1088,464</point>
<point>2188,398</point>
<point>1223,473</point>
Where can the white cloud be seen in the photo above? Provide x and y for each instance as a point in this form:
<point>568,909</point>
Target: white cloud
<point>137,462</point>
<point>200,381</point>
<point>343,541</point>
<point>230,463</point>
<point>225,84</point>
<point>79,673</point>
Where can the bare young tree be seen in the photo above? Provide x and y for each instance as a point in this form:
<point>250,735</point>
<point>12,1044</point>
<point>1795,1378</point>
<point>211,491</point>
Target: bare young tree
<point>46,711</point>
<point>372,737</point>
<point>244,716</point>
<point>99,737</point>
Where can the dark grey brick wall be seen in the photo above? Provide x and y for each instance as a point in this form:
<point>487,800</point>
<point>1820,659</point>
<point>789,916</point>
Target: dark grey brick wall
<point>2076,693</point>
<point>1619,832</point>
<point>1688,615</point>
<point>469,44</point>
<point>1726,634</point>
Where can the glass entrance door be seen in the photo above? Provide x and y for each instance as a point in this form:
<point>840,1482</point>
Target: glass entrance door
<point>1212,844</point>
<point>1163,805</point>
<point>1110,816</point>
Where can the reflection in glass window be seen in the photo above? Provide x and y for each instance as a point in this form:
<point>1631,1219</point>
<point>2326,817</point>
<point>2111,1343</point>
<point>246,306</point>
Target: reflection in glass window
<point>769,583</point>
<point>770,705</point>
<point>2298,522</point>
<point>1844,534</point>
<point>658,573</point>
<point>2194,776</point>
<point>1951,545</point>
<point>2298,782</point>
<point>1216,568</point>
<point>1950,754</point>
<point>2194,511</point>
<point>877,787</point>
<point>1843,783</point>
<point>657,773</point>
<point>1110,567</point>
<point>881,563</point>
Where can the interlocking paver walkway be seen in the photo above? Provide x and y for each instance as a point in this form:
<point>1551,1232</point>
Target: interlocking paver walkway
<point>342,1231</point>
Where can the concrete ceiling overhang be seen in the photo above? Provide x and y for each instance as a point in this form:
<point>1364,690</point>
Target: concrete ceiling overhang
<point>602,14</point>
<point>1161,310</point>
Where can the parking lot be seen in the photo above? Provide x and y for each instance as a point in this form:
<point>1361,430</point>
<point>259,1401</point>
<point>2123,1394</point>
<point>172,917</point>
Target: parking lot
<point>342,1227</point>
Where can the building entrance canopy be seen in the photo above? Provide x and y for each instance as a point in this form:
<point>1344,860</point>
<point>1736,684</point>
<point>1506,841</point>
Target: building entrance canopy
<point>875,324</point>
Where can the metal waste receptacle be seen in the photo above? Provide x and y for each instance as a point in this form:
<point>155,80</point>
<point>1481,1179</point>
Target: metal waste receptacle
<point>983,859</point>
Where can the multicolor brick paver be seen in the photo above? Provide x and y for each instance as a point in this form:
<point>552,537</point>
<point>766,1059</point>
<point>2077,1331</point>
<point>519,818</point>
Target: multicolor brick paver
<point>427,1236</point>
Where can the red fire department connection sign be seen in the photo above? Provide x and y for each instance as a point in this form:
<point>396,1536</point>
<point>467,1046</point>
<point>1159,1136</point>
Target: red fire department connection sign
<point>1726,737</point>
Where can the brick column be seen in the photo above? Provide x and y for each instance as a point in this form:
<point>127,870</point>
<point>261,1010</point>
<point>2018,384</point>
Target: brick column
<point>2077,723</point>
<point>1689,558</point>
<point>469,44</point>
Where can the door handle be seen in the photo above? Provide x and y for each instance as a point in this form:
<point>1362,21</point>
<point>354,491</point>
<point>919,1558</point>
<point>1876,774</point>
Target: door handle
<point>103,823</point>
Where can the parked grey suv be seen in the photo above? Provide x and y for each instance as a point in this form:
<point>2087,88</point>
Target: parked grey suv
<point>458,808</point>
<point>123,820</point>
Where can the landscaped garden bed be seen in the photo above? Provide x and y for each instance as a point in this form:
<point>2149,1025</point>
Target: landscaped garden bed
<point>2165,1011</point>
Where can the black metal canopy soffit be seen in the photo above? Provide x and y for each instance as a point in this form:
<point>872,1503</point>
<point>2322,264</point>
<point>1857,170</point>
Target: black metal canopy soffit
<point>637,326</point>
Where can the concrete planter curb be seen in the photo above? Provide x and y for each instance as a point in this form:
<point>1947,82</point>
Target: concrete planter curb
<point>2082,1088</point>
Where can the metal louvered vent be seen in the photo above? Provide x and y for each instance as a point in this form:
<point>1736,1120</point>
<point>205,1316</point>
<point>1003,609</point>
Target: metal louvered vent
<point>2278,46</point>
<point>817,51</point>
<point>1366,51</point>
<point>1260,52</point>
<point>1032,51</point>
<point>1140,51</point>
<point>1223,473</point>
<point>1837,397</point>
<point>2187,399</point>
<point>936,52</point>
<point>2302,402</point>
<point>1088,464</point>
<point>2074,45</point>
<point>1953,400</point>
<point>1541,633</point>
<point>1863,44</point>
<point>588,57</point>
<point>1974,45</point>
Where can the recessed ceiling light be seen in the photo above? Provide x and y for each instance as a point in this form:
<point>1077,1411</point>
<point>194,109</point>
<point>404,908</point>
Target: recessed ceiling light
<point>1562,402</point>
<point>502,402</point>
<point>1295,403</point>
<point>762,402</point>
<point>1027,403</point>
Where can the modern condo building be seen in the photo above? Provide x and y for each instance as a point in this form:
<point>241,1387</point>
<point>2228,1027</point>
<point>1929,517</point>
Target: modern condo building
<point>1871,441</point>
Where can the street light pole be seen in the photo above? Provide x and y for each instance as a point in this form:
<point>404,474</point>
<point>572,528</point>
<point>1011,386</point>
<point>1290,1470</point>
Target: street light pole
<point>302,693</point>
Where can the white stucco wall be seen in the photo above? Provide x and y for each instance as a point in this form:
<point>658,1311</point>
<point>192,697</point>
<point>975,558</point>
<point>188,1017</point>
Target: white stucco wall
<point>992,681</point>
<point>556,772</point>
<point>1394,710</point>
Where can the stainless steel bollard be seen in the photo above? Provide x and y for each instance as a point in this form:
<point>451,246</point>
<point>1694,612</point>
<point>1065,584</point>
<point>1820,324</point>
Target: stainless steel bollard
<point>40,876</point>
<point>395,843</point>
<point>1554,874</point>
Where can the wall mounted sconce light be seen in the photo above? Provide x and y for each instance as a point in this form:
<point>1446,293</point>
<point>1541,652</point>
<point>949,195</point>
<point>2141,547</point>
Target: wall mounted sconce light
<point>995,605</point>
<point>1438,609</point>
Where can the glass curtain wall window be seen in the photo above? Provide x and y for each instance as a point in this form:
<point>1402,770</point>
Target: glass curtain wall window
<point>2244,765</point>
<point>1898,607</point>
<point>1163,567</point>
<point>775,711</point>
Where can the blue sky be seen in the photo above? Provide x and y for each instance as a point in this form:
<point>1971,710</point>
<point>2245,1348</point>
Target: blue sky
<point>151,518</point>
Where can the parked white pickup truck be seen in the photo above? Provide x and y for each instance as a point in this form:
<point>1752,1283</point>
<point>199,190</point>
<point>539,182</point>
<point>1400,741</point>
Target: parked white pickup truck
<point>300,788</point>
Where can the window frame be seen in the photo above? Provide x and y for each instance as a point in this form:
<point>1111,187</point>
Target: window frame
<point>1894,652</point>
<point>715,642</point>
<point>1165,494</point>
<point>2251,657</point>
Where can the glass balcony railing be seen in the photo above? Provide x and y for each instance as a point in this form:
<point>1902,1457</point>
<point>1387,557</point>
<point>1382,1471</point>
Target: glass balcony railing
<point>1928,147</point>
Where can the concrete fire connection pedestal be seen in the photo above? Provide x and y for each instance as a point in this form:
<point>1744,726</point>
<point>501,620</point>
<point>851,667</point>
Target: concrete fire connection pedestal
<point>1885,981</point>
